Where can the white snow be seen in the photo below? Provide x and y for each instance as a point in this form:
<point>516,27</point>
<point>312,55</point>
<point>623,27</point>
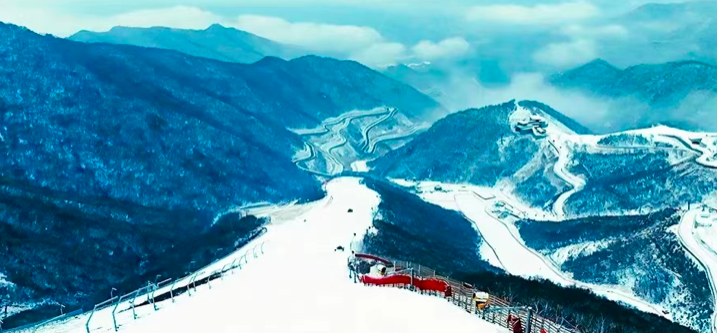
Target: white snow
<point>566,253</point>
<point>691,241</point>
<point>561,171</point>
<point>395,135</point>
<point>299,284</point>
<point>4,282</point>
<point>360,166</point>
<point>707,151</point>
<point>502,238</point>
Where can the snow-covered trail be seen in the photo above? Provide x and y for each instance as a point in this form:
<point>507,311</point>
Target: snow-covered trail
<point>698,249</point>
<point>299,284</point>
<point>504,239</point>
<point>337,140</point>
<point>561,171</point>
<point>323,128</point>
<point>300,161</point>
<point>707,152</point>
<point>333,127</point>
<point>374,124</point>
<point>515,259</point>
<point>394,136</point>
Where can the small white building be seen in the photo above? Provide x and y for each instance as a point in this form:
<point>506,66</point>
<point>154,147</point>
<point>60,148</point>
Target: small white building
<point>704,219</point>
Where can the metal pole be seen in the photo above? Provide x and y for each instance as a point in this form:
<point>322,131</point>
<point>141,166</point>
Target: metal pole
<point>114,319</point>
<point>232,266</point>
<point>115,309</point>
<point>194,281</point>
<point>253,251</point>
<point>154,304</point>
<point>222,275</point>
<point>136,292</point>
<point>209,279</point>
<point>87,324</point>
<point>189,285</point>
<point>528,325</point>
<point>262,247</point>
<point>412,272</point>
<point>171,289</point>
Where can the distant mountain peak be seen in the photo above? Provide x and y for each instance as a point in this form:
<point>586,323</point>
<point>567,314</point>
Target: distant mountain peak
<point>598,64</point>
<point>596,69</point>
<point>217,26</point>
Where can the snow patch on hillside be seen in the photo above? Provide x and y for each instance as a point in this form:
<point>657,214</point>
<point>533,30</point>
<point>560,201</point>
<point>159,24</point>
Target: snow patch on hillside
<point>360,166</point>
<point>4,282</point>
<point>573,251</point>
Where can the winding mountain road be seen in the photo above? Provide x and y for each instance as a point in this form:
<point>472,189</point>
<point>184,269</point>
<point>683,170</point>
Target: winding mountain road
<point>324,127</point>
<point>394,136</point>
<point>371,126</point>
<point>561,171</point>
<point>301,162</point>
<point>686,233</point>
<point>334,127</point>
<point>704,153</point>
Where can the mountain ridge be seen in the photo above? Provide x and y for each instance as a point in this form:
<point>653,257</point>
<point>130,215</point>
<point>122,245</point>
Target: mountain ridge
<point>666,93</point>
<point>216,42</point>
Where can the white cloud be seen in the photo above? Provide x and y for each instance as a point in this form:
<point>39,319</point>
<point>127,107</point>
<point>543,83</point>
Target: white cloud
<point>567,54</point>
<point>381,54</point>
<point>63,24</point>
<point>582,46</point>
<point>314,36</point>
<point>361,43</point>
<point>611,31</point>
<point>540,14</point>
<point>450,48</point>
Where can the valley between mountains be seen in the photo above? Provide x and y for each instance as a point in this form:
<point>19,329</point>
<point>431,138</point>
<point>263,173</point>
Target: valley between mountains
<point>126,159</point>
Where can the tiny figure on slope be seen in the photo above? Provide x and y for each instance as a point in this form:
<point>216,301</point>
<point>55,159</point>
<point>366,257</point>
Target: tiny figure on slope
<point>339,248</point>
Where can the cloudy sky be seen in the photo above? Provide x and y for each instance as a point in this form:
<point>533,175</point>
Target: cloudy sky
<point>375,32</point>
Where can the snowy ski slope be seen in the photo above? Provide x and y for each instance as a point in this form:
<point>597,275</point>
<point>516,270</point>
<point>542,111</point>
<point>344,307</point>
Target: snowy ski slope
<point>299,284</point>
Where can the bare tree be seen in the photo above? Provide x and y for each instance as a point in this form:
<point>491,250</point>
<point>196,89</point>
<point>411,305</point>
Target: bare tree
<point>510,295</point>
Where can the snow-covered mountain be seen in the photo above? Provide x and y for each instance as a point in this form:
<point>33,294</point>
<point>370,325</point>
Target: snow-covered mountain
<point>302,245</point>
<point>125,165</point>
<point>557,175</point>
<point>130,156</point>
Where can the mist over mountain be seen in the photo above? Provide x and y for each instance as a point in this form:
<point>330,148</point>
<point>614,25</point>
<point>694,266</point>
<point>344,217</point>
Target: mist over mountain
<point>130,155</point>
<point>682,94</point>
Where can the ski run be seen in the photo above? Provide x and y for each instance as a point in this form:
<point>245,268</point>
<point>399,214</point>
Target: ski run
<point>299,284</point>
